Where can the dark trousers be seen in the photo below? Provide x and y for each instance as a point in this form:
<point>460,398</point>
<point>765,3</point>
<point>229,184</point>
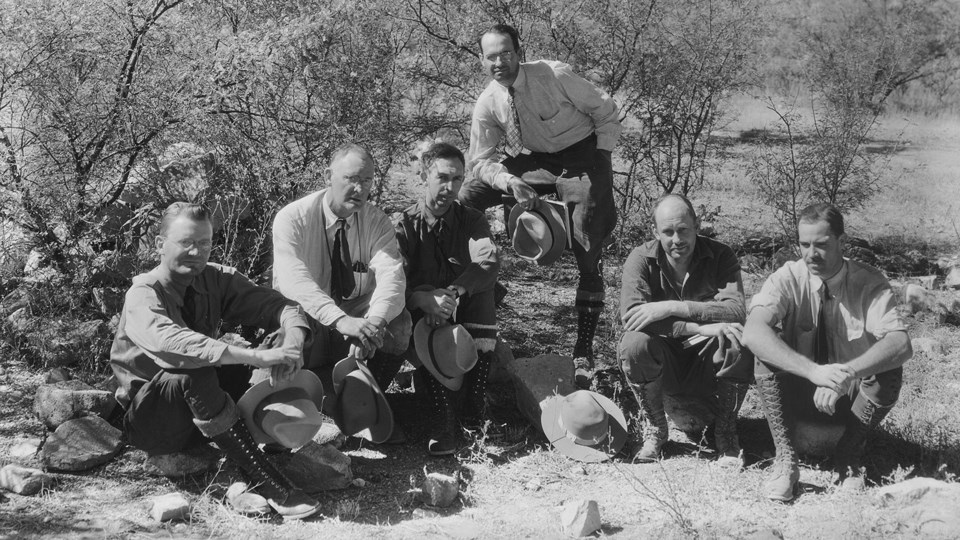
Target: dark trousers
<point>160,418</point>
<point>594,211</point>
<point>693,371</point>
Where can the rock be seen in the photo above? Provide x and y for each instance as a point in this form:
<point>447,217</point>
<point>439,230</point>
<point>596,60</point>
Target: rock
<point>56,375</point>
<point>538,379</point>
<point>580,518</point>
<point>179,464</point>
<point>691,414</point>
<point>110,384</point>
<point>504,366</point>
<point>439,490</point>
<point>81,444</point>
<point>952,281</point>
<point>244,501</point>
<point>58,402</point>
<point>928,282</point>
<point>814,433</point>
<point>25,449</point>
<point>23,480</point>
<point>316,467</point>
<point>916,297</point>
<point>330,434</point>
<point>929,505</point>
<point>359,482</point>
<point>423,513</point>
<point>928,346</point>
<point>169,507</point>
<point>817,438</point>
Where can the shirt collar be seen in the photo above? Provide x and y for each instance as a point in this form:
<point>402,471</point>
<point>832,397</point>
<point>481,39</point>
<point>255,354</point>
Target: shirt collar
<point>163,281</point>
<point>430,219</point>
<point>834,283</point>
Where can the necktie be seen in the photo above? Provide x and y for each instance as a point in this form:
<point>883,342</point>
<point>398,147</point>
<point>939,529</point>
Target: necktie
<point>823,353</point>
<point>514,142</point>
<point>342,282</point>
<point>443,264</point>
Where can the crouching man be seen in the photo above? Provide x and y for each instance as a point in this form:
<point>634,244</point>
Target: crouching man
<point>176,380</point>
<point>682,308</point>
<point>832,322</point>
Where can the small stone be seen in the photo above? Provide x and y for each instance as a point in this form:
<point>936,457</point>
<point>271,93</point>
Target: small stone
<point>58,402</point>
<point>423,513</point>
<point>952,281</point>
<point>81,444</point>
<point>330,434</point>
<point>928,346</point>
<point>316,467</point>
<point>169,507</point>
<point>23,480</point>
<point>56,375</point>
<point>439,490</point>
<point>533,485</point>
<point>25,449</point>
<point>928,282</point>
<point>916,297</point>
<point>359,482</point>
<point>580,518</point>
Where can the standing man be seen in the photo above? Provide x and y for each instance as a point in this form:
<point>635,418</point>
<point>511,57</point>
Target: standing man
<point>174,377</point>
<point>832,323</point>
<point>337,256</point>
<point>677,286</point>
<point>451,264</point>
<point>550,121</point>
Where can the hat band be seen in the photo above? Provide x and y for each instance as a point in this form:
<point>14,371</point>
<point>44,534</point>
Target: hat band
<point>433,356</point>
<point>577,440</point>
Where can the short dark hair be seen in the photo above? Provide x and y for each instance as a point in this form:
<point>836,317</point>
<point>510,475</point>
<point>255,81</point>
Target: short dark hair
<point>675,197</point>
<point>348,148</point>
<point>194,211</point>
<point>823,212</point>
<point>504,30</point>
<point>440,150</point>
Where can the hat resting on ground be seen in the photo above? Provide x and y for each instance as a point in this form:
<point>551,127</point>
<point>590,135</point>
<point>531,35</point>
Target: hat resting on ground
<point>539,234</point>
<point>584,425</point>
<point>361,408</point>
<point>287,413</point>
<point>448,352</point>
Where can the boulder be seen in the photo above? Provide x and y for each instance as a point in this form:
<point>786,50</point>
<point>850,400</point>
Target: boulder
<point>330,434</point>
<point>916,297</point>
<point>814,433</point>
<point>316,467</point>
<point>23,480</point>
<point>580,518</point>
<point>952,281</point>
<point>24,449</point>
<point>61,401</point>
<point>691,414</point>
<point>538,379</point>
<point>929,505</point>
<point>439,490</point>
<point>504,366</point>
<point>171,506</point>
<point>81,444</point>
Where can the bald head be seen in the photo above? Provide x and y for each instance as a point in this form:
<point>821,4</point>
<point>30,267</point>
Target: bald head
<point>675,205</point>
<point>675,225</point>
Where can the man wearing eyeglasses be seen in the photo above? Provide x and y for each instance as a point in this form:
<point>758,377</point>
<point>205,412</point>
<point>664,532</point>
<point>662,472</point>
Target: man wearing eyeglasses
<point>338,257</point>
<point>550,123</point>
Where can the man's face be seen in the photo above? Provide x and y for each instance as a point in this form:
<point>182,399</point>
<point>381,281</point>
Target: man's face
<point>185,249</point>
<point>444,178</point>
<point>821,250</point>
<point>500,59</point>
<point>350,177</point>
<point>676,230</point>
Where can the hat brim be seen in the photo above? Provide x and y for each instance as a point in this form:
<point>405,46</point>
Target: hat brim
<point>251,398</point>
<point>554,220</point>
<point>351,375</point>
<point>617,436</point>
<point>421,342</point>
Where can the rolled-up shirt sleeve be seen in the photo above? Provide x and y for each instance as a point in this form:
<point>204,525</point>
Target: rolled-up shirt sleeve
<point>481,273</point>
<point>882,316</point>
<point>728,304</point>
<point>773,296</point>
<point>387,300</point>
<point>170,345</point>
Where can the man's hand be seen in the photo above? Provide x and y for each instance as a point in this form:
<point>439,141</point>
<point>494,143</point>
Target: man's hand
<point>826,400</point>
<point>366,331</point>
<point>640,316</point>
<point>836,377</point>
<point>731,331</point>
<point>438,302</point>
<point>525,195</point>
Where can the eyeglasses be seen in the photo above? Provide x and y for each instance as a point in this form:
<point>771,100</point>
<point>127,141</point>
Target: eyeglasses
<point>201,245</point>
<point>505,56</point>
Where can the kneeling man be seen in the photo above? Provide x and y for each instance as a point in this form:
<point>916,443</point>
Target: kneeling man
<point>833,322</point>
<point>173,374</point>
<point>682,308</point>
<point>451,264</point>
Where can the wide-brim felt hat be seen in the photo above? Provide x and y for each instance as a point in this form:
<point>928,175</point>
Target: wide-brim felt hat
<point>287,413</point>
<point>539,234</point>
<point>361,408</point>
<point>584,425</point>
<point>448,352</point>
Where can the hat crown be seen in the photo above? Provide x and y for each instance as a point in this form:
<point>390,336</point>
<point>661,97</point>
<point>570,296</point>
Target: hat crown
<point>584,418</point>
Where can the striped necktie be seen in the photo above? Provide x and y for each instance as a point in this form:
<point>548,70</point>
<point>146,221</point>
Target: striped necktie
<point>342,282</point>
<point>514,142</point>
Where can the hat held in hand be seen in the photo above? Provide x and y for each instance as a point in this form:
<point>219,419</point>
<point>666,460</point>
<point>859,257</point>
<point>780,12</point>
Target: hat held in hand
<point>287,413</point>
<point>448,352</point>
<point>539,234</point>
<point>361,408</point>
<point>584,425</point>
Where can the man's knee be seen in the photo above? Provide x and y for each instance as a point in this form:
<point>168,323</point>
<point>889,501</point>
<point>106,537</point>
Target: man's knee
<point>479,195</point>
<point>637,358</point>
<point>883,389</point>
<point>396,338</point>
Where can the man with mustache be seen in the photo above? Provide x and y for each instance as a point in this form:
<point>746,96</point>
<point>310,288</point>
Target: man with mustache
<point>549,123</point>
<point>177,382</point>
<point>451,264</point>
<point>827,325</point>
<point>682,308</point>
<point>337,256</point>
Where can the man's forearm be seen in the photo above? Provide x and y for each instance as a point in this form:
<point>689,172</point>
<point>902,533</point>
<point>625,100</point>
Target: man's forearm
<point>761,339</point>
<point>889,353</point>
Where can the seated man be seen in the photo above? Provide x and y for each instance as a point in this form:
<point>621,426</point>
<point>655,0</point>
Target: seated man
<point>833,322</point>
<point>171,370</point>
<point>337,256</point>
<point>679,285</point>
<point>449,257</point>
